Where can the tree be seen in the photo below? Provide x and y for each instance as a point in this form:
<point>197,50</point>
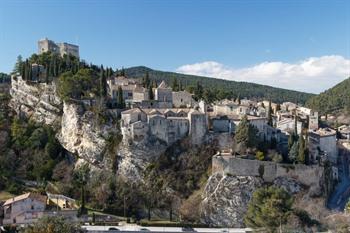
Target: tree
<point>246,133</point>
<point>269,208</point>
<point>120,99</point>
<point>150,92</point>
<point>18,65</point>
<point>278,107</point>
<point>260,155</point>
<point>238,100</point>
<point>175,85</point>
<point>302,149</point>
<point>52,225</point>
<point>295,124</point>
<point>81,177</point>
<point>269,116</point>
<point>146,81</point>
<point>103,83</point>
<point>293,153</point>
<point>198,91</point>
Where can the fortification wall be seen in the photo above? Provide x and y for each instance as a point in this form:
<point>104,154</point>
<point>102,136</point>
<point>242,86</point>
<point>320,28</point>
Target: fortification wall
<point>269,171</point>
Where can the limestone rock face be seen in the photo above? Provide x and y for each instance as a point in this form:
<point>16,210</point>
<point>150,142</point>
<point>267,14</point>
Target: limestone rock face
<point>81,133</point>
<point>133,158</point>
<point>226,198</point>
<point>37,101</point>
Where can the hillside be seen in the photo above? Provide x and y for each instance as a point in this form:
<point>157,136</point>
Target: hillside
<point>220,88</point>
<point>333,100</point>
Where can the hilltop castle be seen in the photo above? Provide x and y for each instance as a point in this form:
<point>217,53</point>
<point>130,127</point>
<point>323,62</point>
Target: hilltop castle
<point>46,45</point>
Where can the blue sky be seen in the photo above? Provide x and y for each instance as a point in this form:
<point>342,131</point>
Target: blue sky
<point>225,39</point>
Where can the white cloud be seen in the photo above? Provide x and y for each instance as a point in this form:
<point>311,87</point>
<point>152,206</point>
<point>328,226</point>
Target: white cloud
<point>314,74</point>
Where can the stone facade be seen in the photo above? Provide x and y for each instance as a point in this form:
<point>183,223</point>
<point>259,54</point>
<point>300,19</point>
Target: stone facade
<point>163,93</point>
<point>268,171</point>
<point>288,125</point>
<point>323,143</point>
<point>24,209</point>
<point>46,45</point>
<point>182,99</point>
<point>168,125</point>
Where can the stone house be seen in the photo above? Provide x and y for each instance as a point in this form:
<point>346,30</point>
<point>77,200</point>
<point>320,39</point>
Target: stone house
<point>222,124</point>
<point>288,106</point>
<point>24,209</point>
<point>182,99</point>
<point>163,93</point>
<point>168,125</point>
<point>225,108</point>
<point>323,144</point>
<point>288,125</point>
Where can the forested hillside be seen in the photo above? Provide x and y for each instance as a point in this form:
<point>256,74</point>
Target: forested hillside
<point>335,99</point>
<point>218,88</point>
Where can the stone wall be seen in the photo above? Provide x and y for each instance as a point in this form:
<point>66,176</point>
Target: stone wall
<point>182,98</point>
<point>269,171</point>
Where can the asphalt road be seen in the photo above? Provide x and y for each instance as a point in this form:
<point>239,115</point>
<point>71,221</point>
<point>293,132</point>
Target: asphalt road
<point>135,228</point>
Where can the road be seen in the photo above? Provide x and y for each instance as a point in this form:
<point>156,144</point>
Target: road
<point>137,229</point>
<point>341,194</point>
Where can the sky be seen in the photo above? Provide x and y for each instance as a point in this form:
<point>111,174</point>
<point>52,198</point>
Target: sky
<point>299,45</point>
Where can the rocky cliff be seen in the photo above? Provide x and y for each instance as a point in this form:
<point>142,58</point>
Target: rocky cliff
<point>37,101</point>
<point>80,130</point>
<point>135,156</point>
<point>226,198</point>
<point>81,133</point>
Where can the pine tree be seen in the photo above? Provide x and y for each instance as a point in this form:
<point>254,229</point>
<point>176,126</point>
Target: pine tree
<point>18,65</point>
<point>246,133</point>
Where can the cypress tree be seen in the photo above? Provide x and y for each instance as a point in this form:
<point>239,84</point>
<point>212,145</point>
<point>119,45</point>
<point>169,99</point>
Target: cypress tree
<point>295,124</point>
<point>269,118</point>
<point>103,83</point>
<point>120,99</point>
<point>150,92</point>
<point>301,152</point>
<point>175,85</point>
<point>147,81</point>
